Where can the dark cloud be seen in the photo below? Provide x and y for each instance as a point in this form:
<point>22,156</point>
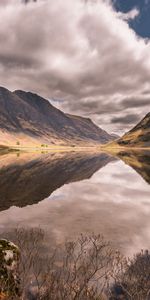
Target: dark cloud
<point>135,102</point>
<point>128,119</point>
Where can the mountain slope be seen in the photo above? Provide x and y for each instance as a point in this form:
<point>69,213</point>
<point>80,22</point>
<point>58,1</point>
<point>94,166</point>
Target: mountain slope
<point>27,118</point>
<point>138,137</point>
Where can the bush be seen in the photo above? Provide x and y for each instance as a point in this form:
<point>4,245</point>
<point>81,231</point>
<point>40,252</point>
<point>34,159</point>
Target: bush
<point>85,269</point>
<point>132,277</point>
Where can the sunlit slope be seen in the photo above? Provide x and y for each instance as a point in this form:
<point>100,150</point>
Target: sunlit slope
<point>138,137</point>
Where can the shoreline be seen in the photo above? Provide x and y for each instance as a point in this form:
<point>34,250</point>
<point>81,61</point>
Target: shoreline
<point>126,148</point>
<point>59,148</point>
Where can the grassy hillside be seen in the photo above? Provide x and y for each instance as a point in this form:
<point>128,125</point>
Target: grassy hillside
<point>138,137</point>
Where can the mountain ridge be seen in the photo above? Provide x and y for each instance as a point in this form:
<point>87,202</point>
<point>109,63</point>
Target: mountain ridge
<point>27,118</point>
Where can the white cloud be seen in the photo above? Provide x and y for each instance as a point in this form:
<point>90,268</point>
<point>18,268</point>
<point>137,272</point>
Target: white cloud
<point>131,15</point>
<point>83,53</point>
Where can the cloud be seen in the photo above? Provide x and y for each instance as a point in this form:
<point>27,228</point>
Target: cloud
<point>131,15</point>
<point>128,119</point>
<point>136,102</point>
<point>81,52</point>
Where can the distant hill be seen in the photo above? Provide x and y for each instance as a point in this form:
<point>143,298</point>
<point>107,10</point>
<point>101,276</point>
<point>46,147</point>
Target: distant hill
<point>138,137</point>
<point>28,119</point>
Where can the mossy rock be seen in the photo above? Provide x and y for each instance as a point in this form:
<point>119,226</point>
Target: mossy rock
<point>9,263</point>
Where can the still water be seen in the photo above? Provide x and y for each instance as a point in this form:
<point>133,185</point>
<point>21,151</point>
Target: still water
<point>71,193</point>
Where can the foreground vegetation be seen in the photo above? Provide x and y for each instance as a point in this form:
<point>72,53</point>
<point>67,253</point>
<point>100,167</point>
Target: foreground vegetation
<point>85,269</point>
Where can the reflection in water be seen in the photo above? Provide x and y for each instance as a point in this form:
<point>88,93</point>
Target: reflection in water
<point>139,161</point>
<point>114,201</point>
<point>29,179</point>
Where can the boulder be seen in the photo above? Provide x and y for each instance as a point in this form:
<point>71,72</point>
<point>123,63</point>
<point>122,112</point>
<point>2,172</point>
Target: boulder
<point>9,270</point>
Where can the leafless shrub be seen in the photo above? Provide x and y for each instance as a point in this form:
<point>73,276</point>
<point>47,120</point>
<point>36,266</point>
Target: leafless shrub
<point>132,277</point>
<point>82,271</point>
<point>79,270</point>
<point>85,269</point>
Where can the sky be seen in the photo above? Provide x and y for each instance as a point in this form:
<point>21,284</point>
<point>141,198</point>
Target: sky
<point>88,57</point>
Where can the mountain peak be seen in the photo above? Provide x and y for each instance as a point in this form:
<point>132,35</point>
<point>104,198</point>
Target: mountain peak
<point>3,90</point>
<point>21,92</point>
<point>29,118</point>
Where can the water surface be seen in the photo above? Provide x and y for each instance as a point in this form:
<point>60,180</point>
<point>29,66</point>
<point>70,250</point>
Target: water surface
<point>69,193</point>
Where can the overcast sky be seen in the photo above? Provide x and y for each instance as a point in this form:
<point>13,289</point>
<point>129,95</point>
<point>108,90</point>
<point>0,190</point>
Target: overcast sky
<point>90,57</point>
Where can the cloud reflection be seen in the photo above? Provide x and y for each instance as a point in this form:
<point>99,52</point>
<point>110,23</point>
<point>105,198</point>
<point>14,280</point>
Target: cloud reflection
<point>115,202</point>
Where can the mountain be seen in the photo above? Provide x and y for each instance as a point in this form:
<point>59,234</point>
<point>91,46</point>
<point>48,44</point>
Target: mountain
<point>28,119</point>
<point>28,178</point>
<point>138,137</point>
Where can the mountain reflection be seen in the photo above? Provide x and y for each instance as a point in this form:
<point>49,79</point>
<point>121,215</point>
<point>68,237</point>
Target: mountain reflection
<point>27,178</point>
<point>139,161</point>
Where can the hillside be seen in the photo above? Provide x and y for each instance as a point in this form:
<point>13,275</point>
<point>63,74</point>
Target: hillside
<point>138,137</point>
<point>28,119</point>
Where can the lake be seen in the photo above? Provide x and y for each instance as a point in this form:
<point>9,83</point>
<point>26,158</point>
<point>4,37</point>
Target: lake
<point>71,193</point>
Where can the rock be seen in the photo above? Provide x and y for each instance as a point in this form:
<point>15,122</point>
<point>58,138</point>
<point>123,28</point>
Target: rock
<point>9,273</point>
